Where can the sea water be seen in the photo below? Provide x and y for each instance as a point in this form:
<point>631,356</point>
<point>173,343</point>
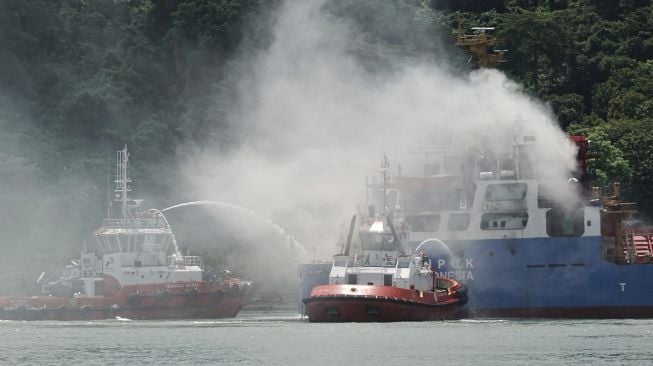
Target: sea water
<point>283,338</point>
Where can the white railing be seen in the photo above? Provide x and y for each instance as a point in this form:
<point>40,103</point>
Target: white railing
<point>184,261</point>
<point>135,223</point>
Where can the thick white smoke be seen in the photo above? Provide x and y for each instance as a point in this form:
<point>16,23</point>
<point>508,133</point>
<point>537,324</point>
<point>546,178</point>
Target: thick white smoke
<point>316,121</point>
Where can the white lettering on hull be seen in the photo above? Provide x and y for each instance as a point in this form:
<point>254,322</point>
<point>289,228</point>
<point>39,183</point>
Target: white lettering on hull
<point>462,269</point>
<point>457,275</point>
<point>182,285</point>
<point>457,263</point>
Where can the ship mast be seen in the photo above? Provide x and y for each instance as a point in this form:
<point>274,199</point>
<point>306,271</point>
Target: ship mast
<point>385,166</point>
<point>122,181</point>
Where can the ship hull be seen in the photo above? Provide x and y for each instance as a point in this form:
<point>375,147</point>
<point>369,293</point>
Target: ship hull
<point>364,303</point>
<point>185,301</point>
<point>547,278</point>
<point>544,278</point>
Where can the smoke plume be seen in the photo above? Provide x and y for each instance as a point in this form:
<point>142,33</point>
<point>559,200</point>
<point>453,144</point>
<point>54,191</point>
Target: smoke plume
<point>315,114</point>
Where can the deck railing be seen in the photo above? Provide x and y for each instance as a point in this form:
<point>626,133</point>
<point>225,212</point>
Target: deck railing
<point>134,223</point>
<point>184,261</point>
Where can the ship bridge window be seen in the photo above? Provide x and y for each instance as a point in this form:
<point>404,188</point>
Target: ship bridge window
<point>564,222</point>
<point>458,221</point>
<point>545,198</point>
<point>487,168</point>
<point>507,169</point>
<point>506,192</point>
<point>504,221</point>
<point>423,223</point>
<point>377,241</point>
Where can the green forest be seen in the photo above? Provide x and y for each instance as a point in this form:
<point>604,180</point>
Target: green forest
<point>81,78</point>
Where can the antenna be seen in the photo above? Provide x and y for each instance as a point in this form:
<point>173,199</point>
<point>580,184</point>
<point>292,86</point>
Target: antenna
<point>108,190</point>
<point>384,169</point>
<point>122,180</point>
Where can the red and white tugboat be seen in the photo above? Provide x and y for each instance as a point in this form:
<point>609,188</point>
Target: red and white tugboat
<point>382,283</point>
<point>133,270</point>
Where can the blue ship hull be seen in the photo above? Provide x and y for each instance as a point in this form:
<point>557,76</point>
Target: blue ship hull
<point>546,277</point>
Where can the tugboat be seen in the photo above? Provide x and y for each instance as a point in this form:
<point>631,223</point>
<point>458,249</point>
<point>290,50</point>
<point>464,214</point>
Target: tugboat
<point>382,283</point>
<point>133,270</point>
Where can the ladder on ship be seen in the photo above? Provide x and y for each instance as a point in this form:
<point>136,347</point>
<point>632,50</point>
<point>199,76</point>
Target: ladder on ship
<point>639,246</point>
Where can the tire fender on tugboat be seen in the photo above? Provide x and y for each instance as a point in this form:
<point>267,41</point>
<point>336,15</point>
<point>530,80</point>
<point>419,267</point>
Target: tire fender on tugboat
<point>86,308</point>
<point>218,294</point>
<point>191,295</point>
<point>163,297</point>
<point>134,299</point>
<point>234,289</point>
<point>39,313</point>
<point>21,311</point>
<point>462,291</point>
<point>113,309</point>
<point>461,294</point>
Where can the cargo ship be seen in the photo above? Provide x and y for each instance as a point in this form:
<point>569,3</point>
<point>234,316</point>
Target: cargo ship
<point>494,223</point>
<point>132,269</point>
<point>379,281</point>
<point>497,223</point>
